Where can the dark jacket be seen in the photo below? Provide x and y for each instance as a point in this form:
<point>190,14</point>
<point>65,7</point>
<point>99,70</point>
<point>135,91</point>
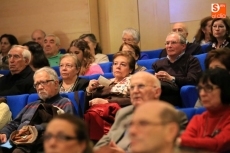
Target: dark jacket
<point>80,84</point>
<point>17,84</point>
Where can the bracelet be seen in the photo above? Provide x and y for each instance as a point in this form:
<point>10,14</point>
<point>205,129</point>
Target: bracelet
<point>87,91</point>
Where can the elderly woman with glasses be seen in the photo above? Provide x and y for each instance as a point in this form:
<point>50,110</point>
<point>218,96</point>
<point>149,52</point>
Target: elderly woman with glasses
<point>70,137</point>
<point>82,50</point>
<point>210,131</point>
<point>70,67</point>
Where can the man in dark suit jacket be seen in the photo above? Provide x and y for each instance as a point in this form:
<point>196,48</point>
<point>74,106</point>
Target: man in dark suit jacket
<point>20,78</point>
<point>143,87</point>
<point>191,48</point>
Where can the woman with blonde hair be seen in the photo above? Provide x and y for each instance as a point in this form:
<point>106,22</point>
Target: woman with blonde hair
<point>70,68</point>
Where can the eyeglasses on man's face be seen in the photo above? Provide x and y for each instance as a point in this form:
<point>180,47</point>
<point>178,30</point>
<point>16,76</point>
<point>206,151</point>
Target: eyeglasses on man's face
<point>171,42</point>
<point>43,83</point>
<point>207,88</point>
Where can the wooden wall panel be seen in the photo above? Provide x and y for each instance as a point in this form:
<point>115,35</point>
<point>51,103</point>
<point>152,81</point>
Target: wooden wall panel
<point>67,19</point>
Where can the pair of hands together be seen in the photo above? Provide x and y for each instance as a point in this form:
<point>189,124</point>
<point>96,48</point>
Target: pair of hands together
<point>23,135</point>
<point>93,85</point>
<point>164,76</point>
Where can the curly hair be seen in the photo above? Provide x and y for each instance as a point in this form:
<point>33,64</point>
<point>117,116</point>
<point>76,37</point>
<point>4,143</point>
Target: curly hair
<point>88,58</point>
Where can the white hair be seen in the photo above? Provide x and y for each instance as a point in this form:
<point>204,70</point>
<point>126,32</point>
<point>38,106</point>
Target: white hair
<point>50,71</point>
<point>26,54</point>
<point>57,40</point>
<point>131,31</point>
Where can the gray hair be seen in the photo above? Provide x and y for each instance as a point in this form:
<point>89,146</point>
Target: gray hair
<point>50,71</point>
<point>57,40</point>
<point>76,61</point>
<point>131,31</point>
<point>26,54</point>
<point>182,39</point>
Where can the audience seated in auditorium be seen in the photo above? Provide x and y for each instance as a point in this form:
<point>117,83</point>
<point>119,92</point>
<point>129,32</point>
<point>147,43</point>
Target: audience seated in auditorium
<point>154,131</point>
<point>132,36</point>
<point>47,86</point>
<point>6,42</point>
<point>190,48</point>
<point>38,58</point>
<point>20,78</point>
<point>143,87</point>
<point>71,136</point>
<point>135,51</point>
<point>51,49</point>
<point>82,50</point>
<point>38,36</point>
<point>202,36</point>
<point>95,48</point>
<point>216,58</point>
<point>177,70</point>
<point>69,69</point>
<point>210,130</point>
<point>220,33</point>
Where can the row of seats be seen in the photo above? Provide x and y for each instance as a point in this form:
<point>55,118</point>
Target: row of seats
<point>18,102</point>
<point>156,53</point>
<point>107,67</point>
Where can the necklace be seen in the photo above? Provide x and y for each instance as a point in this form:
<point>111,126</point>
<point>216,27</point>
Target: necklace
<point>70,89</point>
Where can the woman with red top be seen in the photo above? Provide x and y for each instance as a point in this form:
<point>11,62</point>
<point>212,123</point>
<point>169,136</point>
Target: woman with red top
<point>211,130</point>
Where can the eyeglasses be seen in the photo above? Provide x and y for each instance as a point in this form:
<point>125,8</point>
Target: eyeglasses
<point>171,42</point>
<point>43,83</point>
<point>140,87</point>
<point>207,88</point>
<point>59,137</point>
<point>68,66</point>
<point>127,40</point>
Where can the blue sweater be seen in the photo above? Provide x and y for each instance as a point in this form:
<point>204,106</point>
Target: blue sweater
<point>26,114</point>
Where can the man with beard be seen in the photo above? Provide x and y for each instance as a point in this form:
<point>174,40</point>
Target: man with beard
<point>47,85</point>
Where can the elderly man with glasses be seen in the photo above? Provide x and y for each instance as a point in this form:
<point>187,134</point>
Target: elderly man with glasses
<point>143,87</point>
<point>47,85</point>
<point>19,80</point>
<point>177,69</point>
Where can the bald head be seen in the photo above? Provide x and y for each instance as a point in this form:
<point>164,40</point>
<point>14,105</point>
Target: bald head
<point>180,28</point>
<point>165,111</point>
<point>153,131</point>
<point>144,87</point>
<point>150,78</point>
<point>38,36</point>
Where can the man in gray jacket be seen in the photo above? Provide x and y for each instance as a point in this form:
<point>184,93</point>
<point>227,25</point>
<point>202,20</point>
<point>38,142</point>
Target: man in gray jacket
<point>143,87</point>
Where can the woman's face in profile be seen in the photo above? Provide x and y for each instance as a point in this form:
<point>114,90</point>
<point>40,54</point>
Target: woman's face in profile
<point>216,64</point>
<point>60,137</point>
<point>77,52</point>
